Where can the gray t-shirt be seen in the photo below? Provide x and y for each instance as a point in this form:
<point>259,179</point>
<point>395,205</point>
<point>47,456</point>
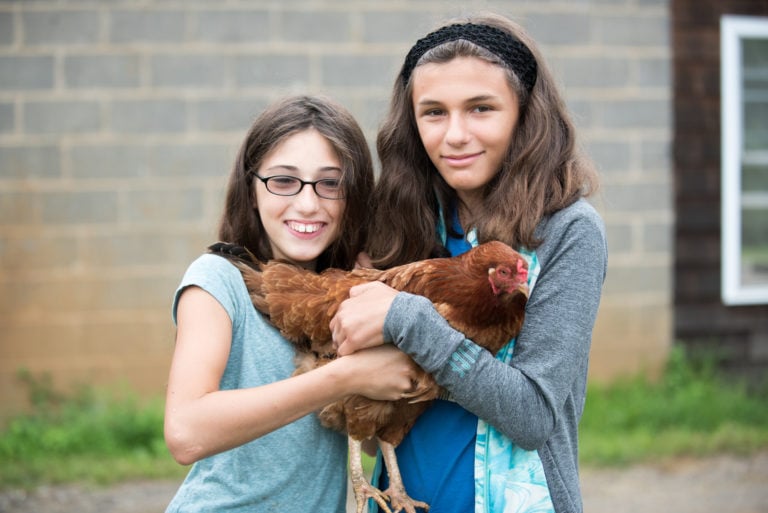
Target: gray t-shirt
<point>298,468</point>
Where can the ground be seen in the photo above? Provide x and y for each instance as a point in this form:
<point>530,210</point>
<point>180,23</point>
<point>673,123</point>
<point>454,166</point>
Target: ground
<point>712,485</point>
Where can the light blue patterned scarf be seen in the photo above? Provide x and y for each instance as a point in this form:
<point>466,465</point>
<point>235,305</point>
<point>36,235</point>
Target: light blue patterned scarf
<point>508,479</point>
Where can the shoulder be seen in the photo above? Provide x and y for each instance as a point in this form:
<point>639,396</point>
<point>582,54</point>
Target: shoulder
<point>575,232</point>
<point>580,219</point>
<point>207,265</point>
<point>218,277</point>
<point>579,215</point>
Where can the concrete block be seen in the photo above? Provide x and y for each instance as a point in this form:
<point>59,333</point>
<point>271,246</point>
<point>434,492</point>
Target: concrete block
<point>620,237</point>
<point>654,72</point>
<point>582,113</point>
<point>7,29</point>
<point>190,71</point>
<point>30,162</point>
<point>638,279</point>
<point>656,157</point>
<point>611,157</point>
<point>658,237</point>
<point>235,26</point>
<point>163,206</point>
<point>31,72</point>
<point>593,72</point>
<point>228,114</point>
<point>574,28</point>
<point>149,116</point>
<point>109,161</point>
<point>649,31</point>
<point>394,27</point>
<point>7,118</point>
<point>60,27</point>
<point>638,197</point>
<point>193,160</point>
<point>635,114</point>
<point>19,208</point>
<point>34,253</point>
<point>133,249</point>
<point>272,70</point>
<point>101,71</point>
<point>79,207</point>
<point>315,26</point>
<point>62,117</point>
<point>147,26</point>
<point>358,70</point>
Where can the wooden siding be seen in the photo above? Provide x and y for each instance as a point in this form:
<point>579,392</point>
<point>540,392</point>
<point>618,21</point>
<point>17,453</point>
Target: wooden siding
<point>737,334</point>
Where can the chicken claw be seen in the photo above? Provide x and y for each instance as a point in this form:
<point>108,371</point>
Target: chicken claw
<point>396,491</point>
<point>362,489</point>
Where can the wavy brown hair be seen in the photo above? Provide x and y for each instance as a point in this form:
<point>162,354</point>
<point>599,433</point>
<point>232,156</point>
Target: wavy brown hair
<point>542,173</point>
<point>241,224</point>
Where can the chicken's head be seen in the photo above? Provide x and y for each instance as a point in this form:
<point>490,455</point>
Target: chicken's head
<point>509,277</point>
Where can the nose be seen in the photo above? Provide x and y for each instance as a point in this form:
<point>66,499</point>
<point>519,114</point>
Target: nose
<point>457,133</point>
<point>307,199</point>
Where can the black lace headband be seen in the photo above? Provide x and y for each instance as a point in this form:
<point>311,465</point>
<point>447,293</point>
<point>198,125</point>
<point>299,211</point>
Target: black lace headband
<point>503,44</point>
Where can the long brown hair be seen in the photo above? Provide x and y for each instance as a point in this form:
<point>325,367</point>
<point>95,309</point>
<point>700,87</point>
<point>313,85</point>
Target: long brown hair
<point>240,223</point>
<point>543,171</point>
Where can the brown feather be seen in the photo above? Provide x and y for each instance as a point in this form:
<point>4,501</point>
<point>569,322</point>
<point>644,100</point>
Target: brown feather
<point>301,304</point>
<point>481,293</point>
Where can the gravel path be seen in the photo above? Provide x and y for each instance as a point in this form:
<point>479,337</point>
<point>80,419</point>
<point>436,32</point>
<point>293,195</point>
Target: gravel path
<point>723,484</point>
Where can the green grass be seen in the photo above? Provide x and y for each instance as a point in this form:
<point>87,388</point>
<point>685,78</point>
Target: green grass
<point>100,437</point>
<point>107,436</point>
<point>690,411</point>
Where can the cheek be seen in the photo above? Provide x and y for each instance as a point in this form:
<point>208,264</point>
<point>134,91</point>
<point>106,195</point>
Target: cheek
<point>429,135</point>
<point>336,215</point>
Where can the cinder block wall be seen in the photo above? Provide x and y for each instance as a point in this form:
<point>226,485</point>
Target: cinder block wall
<point>119,122</point>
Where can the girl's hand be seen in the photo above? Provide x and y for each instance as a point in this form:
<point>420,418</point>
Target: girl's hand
<point>359,321</point>
<point>363,260</point>
<point>383,372</point>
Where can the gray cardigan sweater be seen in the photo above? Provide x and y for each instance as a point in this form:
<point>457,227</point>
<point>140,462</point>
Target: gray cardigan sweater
<point>536,400</point>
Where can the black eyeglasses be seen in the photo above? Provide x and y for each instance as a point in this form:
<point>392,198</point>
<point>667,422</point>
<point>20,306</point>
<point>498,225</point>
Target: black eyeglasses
<point>283,185</point>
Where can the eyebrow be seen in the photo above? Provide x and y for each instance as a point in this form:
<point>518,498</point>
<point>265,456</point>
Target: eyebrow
<point>479,98</point>
<point>295,169</point>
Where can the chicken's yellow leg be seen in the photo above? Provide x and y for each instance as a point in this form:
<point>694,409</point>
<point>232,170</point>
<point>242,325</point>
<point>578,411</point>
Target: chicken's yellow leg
<point>396,491</point>
<point>362,488</point>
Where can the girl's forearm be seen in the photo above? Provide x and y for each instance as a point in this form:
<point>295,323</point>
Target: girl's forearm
<point>225,419</point>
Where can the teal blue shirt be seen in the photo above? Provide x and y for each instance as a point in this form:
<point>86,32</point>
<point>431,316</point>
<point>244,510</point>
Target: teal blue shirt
<point>298,468</point>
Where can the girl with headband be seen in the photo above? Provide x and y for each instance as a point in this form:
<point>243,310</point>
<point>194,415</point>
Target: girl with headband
<point>478,145</point>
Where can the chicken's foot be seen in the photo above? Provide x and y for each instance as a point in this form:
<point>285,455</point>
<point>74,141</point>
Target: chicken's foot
<point>362,488</point>
<point>396,491</point>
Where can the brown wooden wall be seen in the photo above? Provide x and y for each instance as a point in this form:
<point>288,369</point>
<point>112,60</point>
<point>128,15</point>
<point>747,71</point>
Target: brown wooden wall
<point>702,321</point>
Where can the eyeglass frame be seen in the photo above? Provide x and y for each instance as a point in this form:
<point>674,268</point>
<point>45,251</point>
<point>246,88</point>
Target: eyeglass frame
<point>265,181</point>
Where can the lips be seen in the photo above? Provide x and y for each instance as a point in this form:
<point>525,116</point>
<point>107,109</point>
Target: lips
<point>461,160</point>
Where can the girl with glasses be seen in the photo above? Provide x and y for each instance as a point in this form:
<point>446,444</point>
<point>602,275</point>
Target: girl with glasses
<point>299,191</point>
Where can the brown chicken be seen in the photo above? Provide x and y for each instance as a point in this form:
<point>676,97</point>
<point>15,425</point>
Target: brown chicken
<point>481,293</point>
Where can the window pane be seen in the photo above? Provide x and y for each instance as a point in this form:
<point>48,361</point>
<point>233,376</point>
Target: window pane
<point>754,170</point>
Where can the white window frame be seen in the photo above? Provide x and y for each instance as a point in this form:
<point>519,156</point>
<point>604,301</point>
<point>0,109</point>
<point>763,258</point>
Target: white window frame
<point>732,30</point>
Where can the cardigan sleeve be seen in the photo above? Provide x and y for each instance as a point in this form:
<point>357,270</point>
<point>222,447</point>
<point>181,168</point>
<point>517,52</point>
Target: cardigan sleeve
<point>523,399</point>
